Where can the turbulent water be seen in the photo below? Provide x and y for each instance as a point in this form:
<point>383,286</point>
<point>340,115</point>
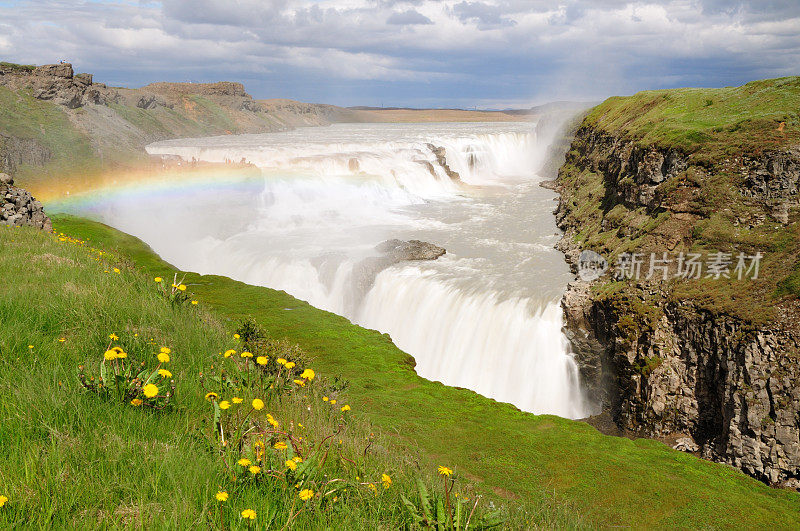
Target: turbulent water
<point>485,316</point>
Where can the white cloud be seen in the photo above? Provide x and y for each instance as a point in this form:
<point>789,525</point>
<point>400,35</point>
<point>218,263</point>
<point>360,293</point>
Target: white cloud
<point>421,49</point>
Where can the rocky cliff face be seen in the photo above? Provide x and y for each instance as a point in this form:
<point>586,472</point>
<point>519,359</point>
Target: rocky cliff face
<point>19,207</point>
<point>57,83</point>
<point>663,366</point>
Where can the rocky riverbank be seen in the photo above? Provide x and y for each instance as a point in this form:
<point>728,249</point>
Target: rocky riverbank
<point>708,367</point>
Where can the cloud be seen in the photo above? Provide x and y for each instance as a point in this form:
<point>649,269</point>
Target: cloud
<point>413,52</point>
<point>486,16</point>
<point>408,18</point>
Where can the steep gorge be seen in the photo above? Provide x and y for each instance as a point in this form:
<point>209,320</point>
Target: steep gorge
<point>708,365</point>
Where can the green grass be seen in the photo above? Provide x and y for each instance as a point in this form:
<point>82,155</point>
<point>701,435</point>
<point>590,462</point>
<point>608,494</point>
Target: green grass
<point>14,67</point>
<point>711,123</point>
<point>73,460</point>
<point>567,470</point>
<point>47,124</point>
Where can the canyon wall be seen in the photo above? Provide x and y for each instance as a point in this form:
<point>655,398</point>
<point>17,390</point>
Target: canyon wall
<point>708,368</point>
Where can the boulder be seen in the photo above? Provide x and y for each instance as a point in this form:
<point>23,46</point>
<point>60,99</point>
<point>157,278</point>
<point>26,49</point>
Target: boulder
<point>410,250</point>
<point>686,444</point>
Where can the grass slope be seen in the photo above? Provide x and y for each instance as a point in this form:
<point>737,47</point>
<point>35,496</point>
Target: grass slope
<point>71,460</point>
<point>547,460</point>
<point>709,122</point>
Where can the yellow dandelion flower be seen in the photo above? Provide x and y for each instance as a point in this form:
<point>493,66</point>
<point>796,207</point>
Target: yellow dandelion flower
<point>280,445</point>
<point>114,337</point>
<point>164,373</point>
<point>272,420</point>
<point>280,361</point>
<point>163,357</point>
<point>136,402</point>
<point>345,408</point>
<point>244,462</point>
<point>224,404</point>
<point>30,347</point>
<point>237,400</point>
<point>373,488</point>
<point>306,494</point>
<point>254,469</point>
<point>301,383</point>
<point>211,396</point>
<point>290,464</point>
<point>195,302</point>
<point>249,513</point>
<point>386,480</point>
<point>229,353</point>
<point>121,354</point>
<point>297,459</point>
<point>61,339</point>
<point>308,374</point>
<point>3,500</point>
<point>182,287</point>
<point>258,404</point>
<point>444,471</point>
<point>150,390</point>
<point>158,279</point>
<point>324,398</point>
<point>333,402</point>
<point>247,354</point>
<point>236,336</point>
<point>116,270</point>
<point>262,360</point>
<point>110,355</point>
<point>165,350</point>
<point>221,496</point>
<point>289,365</point>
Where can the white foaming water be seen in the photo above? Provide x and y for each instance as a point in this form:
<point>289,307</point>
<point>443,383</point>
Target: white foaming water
<point>486,316</point>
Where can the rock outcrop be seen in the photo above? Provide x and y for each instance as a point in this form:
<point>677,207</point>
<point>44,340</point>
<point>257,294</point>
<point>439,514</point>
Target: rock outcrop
<point>57,83</point>
<point>727,388</point>
<point>441,159</point>
<point>19,207</point>
<point>399,250</point>
<point>391,252</point>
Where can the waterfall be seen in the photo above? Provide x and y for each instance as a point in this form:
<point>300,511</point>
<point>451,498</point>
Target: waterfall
<point>486,316</point>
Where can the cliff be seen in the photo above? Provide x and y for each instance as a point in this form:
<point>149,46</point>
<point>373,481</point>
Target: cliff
<point>708,362</point>
<point>56,122</point>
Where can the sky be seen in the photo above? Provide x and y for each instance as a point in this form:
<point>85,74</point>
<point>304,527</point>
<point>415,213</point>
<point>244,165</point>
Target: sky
<point>418,53</point>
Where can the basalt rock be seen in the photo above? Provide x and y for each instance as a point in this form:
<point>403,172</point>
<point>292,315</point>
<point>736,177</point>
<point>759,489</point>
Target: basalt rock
<point>400,250</point>
<point>727,388</point>
<point>18,207</point>
<point>441,159</point>
<point>57,83</point>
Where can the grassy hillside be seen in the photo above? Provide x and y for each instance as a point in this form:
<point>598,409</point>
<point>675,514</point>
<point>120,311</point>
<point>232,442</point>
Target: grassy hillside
<point>75,458</point>
<point>560,472</point>
<point>711,123</point>
<point>46,126</point>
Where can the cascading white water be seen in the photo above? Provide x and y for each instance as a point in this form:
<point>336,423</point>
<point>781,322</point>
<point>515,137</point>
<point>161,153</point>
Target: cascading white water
<point>485,316</point>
